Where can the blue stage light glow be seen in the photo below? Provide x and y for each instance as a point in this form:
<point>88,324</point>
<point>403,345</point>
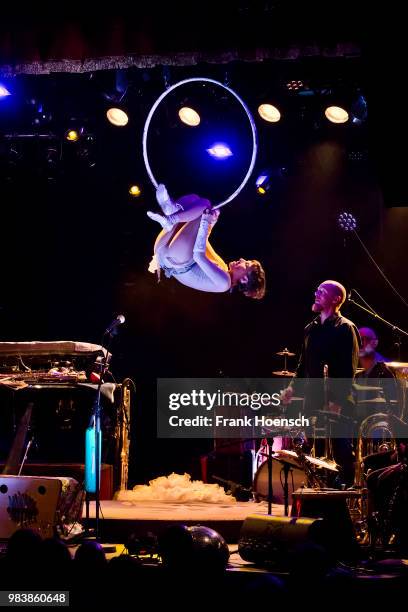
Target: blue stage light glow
<point>261,179</point>
<point>220,150</point>
<point>4,91</point>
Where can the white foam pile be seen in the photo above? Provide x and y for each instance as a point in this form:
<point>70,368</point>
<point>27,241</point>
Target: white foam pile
<point>176,488</point>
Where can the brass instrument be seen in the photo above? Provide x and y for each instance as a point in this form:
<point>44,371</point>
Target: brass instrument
<point>367,445</point>
<point>123,432</point>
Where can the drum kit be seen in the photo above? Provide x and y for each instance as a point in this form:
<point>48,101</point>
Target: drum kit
<point>285,463</point>
<point>298,467</point>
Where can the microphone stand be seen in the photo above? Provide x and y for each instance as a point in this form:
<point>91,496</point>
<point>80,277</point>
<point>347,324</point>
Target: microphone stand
<point>96,422</point>
<point>371,312</point>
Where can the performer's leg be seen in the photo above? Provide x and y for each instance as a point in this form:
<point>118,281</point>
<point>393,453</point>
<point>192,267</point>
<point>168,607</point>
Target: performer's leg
<point>180,247</point>
<point>192,207</point>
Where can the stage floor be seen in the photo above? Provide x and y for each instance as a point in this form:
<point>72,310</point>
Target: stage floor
<point>120,518</point>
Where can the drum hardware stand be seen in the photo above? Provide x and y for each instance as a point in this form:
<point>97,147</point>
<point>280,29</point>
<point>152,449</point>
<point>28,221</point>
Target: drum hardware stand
<point>286,470</point>
<point>270,488</point>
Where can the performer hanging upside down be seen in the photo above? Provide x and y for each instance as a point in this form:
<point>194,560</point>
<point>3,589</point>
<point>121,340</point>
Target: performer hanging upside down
<point>182,249</point>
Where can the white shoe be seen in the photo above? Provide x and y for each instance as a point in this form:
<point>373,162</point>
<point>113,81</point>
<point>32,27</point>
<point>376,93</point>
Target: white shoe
<point>166,204</point>
<point>164,222</point>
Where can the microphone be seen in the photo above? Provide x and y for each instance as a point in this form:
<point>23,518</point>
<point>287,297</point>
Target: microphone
<point>115,323</point>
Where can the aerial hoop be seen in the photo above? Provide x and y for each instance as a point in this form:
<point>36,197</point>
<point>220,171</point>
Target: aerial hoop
<point>247,112</point>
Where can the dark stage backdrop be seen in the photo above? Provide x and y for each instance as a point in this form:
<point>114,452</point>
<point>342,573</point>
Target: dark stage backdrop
<point>74,254</point>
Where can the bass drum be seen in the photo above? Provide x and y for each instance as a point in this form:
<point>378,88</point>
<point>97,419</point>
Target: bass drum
<point>296,479</point>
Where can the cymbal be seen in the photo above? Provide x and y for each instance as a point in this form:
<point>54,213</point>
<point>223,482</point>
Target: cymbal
<point>373,400</point>
<point>376,400</point>
<point>398,365</point>
<point>334,415</point>
<point>323,463</point>
<point>284,373</point>
<point>285,352</point>
<point>288,456</point>
<point>358,387</point>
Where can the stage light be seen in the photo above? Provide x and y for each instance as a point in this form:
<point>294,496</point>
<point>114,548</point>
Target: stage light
<point>220,150</point>
<point>14,157</point>
<point>135,191</point>
<point>347,222</point>
<point>261,179</point>
<point>261,183</point>
<point>358,110</point>
<point>269,113</point>
<point>117,117</point>
<point>72,135</point>
<point>189,116</point>
<point>52,158</point>
<point>336,114</point>
<point>4,92</point>
<point>86,150</point>
<point>294,85</point>
<point>271,177</point>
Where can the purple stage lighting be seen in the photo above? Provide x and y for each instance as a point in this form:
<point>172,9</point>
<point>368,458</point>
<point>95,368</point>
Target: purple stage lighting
<point>347,222</point>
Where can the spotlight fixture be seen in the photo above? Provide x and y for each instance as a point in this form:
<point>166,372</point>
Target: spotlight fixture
<point>86,151</point>
<point>358,110</point>
<point>52,158</point>
<point>4,92</point>
<point>272,177</point>
<point>117,117</point>
<point>189,116</point>
<point>269,113</point>
<point>72,135</point>
<point>294,85</point>
<point>336,114</point>
<point>220,150</point>
<point>262,184</point>
<point>135,191</point>
<point>347,222</point>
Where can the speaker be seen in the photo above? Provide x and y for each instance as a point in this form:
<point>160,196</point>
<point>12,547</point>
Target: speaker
<point>37,503</point>
<point>332,506</point>
<point>270,540</point>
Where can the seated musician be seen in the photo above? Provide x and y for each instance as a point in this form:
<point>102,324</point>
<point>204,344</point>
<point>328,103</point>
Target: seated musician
<point>375,372</point>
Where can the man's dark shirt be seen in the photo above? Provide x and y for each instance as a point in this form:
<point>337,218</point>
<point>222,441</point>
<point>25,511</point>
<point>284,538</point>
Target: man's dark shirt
<point>334,343</point>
